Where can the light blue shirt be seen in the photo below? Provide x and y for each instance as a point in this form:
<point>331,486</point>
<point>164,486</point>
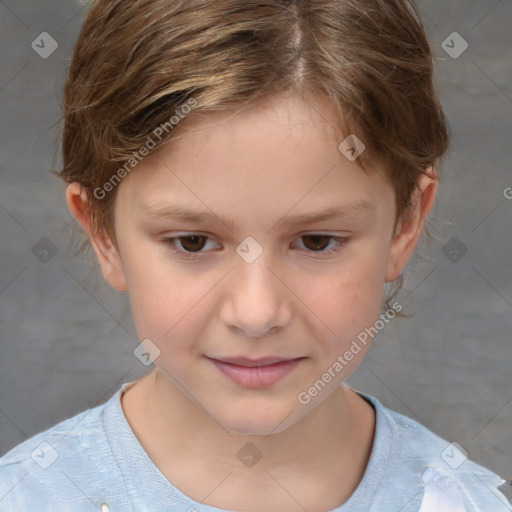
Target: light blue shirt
<point>94,462</point>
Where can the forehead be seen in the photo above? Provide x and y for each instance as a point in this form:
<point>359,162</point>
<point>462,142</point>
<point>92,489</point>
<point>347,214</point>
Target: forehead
<point>288,116</point>
<point>275,156</point>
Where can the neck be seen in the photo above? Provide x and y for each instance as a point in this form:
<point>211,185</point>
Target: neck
<point>330,445</point>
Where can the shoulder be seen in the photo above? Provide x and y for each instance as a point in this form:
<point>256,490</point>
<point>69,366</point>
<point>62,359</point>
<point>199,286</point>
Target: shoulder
<point>438,466</point>
<point>65,435</point>
<point>52,466</point>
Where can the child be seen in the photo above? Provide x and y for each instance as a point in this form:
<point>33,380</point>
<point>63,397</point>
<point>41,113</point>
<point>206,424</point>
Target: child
<point>253,174</point>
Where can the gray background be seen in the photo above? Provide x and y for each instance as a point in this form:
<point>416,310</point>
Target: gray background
<point>67,339</point>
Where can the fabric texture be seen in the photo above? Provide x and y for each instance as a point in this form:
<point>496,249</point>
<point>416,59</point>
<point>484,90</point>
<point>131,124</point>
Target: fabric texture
<point>94,462</point>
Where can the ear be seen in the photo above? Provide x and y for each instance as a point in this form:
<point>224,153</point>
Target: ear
<point>108,255</point>
<point>409,229</point>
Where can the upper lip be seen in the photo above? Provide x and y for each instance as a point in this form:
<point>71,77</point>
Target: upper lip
<point>263,361</point>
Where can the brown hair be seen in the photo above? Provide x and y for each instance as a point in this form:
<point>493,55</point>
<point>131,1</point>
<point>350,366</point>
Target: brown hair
<point>137,63</point>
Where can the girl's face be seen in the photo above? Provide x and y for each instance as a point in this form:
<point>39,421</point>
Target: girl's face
<point>244,273</point>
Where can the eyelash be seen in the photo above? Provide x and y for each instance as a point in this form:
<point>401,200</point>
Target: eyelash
<point>169,242</point>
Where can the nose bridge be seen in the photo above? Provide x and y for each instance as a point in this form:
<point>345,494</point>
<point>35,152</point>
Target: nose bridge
<point>253,277</point>
<point>255,298</point>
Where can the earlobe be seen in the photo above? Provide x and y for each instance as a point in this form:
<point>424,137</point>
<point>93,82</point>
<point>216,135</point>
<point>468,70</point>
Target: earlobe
<point>106,252</point>
<point>411,226</point>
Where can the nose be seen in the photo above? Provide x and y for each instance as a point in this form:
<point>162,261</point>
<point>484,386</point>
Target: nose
<point>256,302</point>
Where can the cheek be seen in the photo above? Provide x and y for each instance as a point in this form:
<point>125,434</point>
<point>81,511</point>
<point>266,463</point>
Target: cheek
<point>166,298</point>
<point>171,311</point>
<point>347,306</point>
<point>350,294</point>
<point>348,302</point>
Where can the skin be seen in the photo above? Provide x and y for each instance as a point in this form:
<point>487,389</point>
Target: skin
<point>258,167</point>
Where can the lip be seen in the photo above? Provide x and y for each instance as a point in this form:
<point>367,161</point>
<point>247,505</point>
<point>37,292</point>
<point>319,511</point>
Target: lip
<point>251,363</point>
<point>256,373</point>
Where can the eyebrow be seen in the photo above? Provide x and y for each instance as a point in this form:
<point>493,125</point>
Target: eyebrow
<point>355,208</point>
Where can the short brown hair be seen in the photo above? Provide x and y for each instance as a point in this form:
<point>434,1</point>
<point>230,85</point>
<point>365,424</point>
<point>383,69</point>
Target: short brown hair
<point>136,63</point>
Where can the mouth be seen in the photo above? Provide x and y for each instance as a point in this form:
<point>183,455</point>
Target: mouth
<point>256,373</point>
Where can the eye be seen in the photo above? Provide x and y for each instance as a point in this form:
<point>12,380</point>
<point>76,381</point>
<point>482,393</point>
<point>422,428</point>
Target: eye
<point>317,242</point>
<point>193,243</point>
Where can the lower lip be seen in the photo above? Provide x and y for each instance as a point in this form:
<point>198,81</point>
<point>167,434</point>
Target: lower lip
<point>258,376</point>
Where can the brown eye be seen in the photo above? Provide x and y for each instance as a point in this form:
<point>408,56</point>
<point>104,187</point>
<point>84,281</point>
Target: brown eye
<point>317,242</point>
<point>193,243</point>
<point>322,244</point>
<point>190,244</point>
